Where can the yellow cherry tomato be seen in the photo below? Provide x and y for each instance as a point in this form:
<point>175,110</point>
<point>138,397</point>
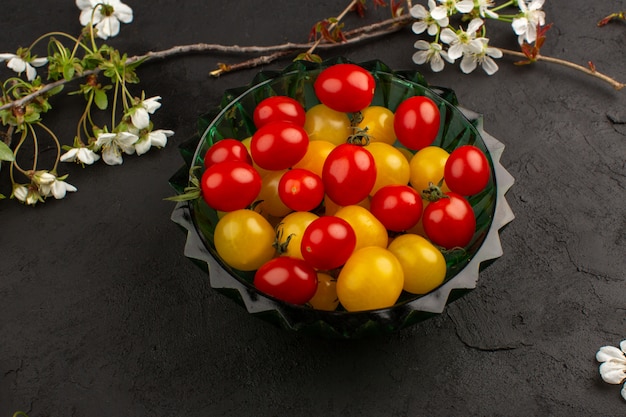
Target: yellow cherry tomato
<point>244,239</point>
<point>427,166</point>
<point>423,264</point>
<point>368,229</point>
<point>372,278</point>
<point>290,230</point>
<point>331,208</point>
<point>315,156</point>
<point>391,165</point>
<point>325,297</point>
<point>324,123</point>
<point>378,121</point>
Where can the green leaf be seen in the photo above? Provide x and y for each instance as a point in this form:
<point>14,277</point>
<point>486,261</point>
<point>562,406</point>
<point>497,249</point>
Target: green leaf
<point>101,100</point>
<point>6,154</point>
<point>68,71</point>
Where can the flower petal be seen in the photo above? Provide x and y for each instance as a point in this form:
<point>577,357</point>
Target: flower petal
<point>419,27</point>
<point>20,192</point>
<point>159,137</point>
<point>448,36</point>
<point>142,146</point>
<point>87,156</point>
<point>104,139</point>
<point>151,104</point>
<point>465,6</point>
<point>468,64</point>
<point>420,57</point>
<point>108,27</point>
<point>112,156</point>
<point>610,353</point>
<point>490,66</point>
<point>474,25</point>
<point>520,25</point>
<point>38,62</point>
<point>84,4</point>
<point>455,51</point>
<point>612,372</point>
<point>69,155</point>
<point>123,12</point>
<point>436,63</point>
<point>126,139</point>
<point>140,118</point>
<point>31,72</point>
<point>419,12</point>
<point>439,13</point>
<point>17,64</point>
<point>60,188</point>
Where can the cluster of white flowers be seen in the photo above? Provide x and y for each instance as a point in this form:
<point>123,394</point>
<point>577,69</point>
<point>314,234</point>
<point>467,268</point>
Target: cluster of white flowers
<point>135,134</point>
<point>470,44</point>
<point>137,137</point>
<point>43,184</point>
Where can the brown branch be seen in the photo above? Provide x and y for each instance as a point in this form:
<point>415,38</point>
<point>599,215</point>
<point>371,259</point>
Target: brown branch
<point>615,84</point>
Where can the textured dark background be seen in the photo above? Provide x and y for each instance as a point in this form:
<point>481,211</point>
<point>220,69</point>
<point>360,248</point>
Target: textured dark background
<point>101,314</point>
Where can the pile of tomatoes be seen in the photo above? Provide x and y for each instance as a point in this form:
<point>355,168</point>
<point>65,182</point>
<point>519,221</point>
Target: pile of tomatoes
<point>346,204</point>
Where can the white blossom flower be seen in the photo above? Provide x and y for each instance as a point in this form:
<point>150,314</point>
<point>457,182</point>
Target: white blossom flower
<point>20,64</point>
<point>105,14</point>
<point>463,42</point>
<point>27,195</point>
<point>484,58</point>
<point>81,154</point>
<point>613,367</point>
<point>157,138</point>
<point>452,6</point>
<point>140,114</point>
<point>483,8</point>
<point>430,52</point>
<point>58,188</point>
<point>531,17</point>
<point>113,144</point>
<point>20,192</point>
<point>41,178</point>
<point>426,18</point>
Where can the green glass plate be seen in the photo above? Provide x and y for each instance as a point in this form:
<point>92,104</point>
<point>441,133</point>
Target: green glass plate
<point>233,119</point>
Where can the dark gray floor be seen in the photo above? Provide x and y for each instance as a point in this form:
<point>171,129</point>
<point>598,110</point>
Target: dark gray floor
<point>101,315</point>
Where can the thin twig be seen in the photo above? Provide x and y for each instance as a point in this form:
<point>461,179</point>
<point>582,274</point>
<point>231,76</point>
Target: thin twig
<point>355,36</point>
<point>615,84</point>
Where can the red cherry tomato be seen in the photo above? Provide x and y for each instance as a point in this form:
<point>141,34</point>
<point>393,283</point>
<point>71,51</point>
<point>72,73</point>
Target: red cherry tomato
<point>278,108</point>
<point>230,185</point>
<point>301,189</point>
<point>467,170</point>
<point>416,122</point>
<point>278,145</point>
<point>346,88</point>
<point>398,207</point>
<point>226,150</point>
<point>289,279</point>
<point>449,222</point>
<point>349,174</point>
<point>328,242</point>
